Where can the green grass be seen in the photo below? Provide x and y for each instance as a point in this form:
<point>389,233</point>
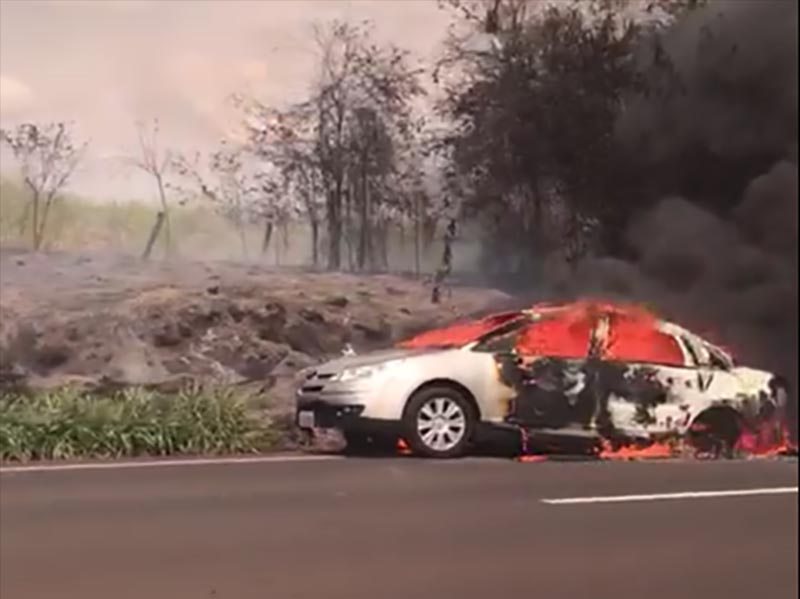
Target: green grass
<point>69,424</point>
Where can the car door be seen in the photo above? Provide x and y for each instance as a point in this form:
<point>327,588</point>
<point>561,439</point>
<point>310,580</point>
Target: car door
<point>648,378</point>
<point>547,372</point>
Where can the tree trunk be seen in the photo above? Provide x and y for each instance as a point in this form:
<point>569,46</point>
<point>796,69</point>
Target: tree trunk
<point>334,217</point>
<point>363,233</point>
<point>446,268</point>
<point>242,239</point>
<point>43,221</point>
<point>385,246</point>
<point>278,245</point>
<point>153,235</point>
<point>348,228</point>
<point>284,233</point>
<point>167,232</point>
<point>314,242</point>
<point>417,234</point>
<point>36,241</point>
<point>268,227</point>
<point>23,220</point>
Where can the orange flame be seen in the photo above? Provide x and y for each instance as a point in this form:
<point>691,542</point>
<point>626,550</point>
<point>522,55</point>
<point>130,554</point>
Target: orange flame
<point>768,439</point>
<point>402,447</point>
<point>657,450</point>
<point>533,458</point>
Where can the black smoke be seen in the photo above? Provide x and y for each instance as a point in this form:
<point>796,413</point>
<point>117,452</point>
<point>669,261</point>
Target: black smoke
<point>714,145</point>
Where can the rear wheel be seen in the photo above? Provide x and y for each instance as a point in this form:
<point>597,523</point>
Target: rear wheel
<point>715,432</point>
<point>439,422</point>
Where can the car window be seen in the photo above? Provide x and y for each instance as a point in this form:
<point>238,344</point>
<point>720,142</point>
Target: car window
<point>459,334</point>
<point>503,339</point>
<point>703,353</point>
<point>557,335</point>
<point>641,341</point>
<point>698,357</point>
<point>718,359</point>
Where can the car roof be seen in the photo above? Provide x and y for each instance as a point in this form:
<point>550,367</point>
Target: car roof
<point>467,332</point>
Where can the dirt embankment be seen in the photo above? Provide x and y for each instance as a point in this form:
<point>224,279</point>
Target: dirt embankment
<point>110,321</point>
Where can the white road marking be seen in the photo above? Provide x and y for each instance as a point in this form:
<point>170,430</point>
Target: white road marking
<point>683,495</point>
<point>166,463</point>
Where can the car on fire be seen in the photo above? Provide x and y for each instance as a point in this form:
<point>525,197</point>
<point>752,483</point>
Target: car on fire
<point>607,372</point>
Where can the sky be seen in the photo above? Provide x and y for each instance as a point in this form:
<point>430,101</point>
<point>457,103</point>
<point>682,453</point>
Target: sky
<point>104,64</point>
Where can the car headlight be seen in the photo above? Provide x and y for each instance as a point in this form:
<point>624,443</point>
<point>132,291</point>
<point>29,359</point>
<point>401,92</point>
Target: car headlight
<point>363,372</point>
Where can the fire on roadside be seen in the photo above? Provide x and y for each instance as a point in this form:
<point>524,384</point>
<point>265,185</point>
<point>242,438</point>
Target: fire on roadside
<point>658,450</point>
<point>767,439</point>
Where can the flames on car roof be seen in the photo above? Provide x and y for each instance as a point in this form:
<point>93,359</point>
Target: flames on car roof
<point>465,332</point>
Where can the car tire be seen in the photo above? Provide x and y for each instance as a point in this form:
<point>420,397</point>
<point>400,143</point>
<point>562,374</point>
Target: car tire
<point>715,432</point>
<point>438,422</point>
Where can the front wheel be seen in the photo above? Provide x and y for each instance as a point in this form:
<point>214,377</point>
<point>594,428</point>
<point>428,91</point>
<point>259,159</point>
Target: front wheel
<point>439,422</point>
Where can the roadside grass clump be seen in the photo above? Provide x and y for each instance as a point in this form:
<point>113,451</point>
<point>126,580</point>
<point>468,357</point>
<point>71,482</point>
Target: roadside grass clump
<point>69,424</point>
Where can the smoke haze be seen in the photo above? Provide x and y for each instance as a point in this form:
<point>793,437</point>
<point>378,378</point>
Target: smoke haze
<point>105,64</point>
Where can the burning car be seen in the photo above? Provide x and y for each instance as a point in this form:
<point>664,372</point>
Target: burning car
<point>616,375</point>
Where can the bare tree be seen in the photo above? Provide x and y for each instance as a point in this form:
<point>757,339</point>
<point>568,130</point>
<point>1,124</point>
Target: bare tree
<point>340,152</point>
<point>360,109</point>
<point>239,188</point>
<point>155,162</point>
<point>416,206</point>
<point>285,142</point>
<point>47,156</point>
<point>302,182</point>
<point>275,206</point>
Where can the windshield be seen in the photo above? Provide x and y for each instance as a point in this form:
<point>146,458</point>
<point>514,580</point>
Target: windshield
<point>459,335</point>
<point>502,339</point>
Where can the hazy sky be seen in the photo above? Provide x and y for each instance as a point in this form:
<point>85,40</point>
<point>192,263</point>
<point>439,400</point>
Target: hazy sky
<point>106,63</point>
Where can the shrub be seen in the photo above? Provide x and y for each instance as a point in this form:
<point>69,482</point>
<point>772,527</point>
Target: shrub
<point>68,424</point>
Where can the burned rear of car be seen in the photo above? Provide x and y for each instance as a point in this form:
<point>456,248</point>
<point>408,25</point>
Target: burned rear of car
<point>621,376</point>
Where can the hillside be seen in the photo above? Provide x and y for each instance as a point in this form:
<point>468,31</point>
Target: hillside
<point>104,322</point>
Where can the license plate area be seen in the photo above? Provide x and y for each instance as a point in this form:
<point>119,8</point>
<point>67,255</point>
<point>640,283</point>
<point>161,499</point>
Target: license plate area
<point>305,419</point>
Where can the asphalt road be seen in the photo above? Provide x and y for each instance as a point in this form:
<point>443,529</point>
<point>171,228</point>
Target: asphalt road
<point>384,528</point>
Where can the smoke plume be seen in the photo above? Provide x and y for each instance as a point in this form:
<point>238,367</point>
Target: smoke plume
<point>718,249</point>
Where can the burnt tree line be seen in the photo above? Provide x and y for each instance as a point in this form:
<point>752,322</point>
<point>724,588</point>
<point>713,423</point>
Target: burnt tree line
<point>530,97</point>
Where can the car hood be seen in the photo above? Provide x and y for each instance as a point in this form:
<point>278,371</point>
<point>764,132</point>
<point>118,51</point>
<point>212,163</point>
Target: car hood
<point>371,358</point>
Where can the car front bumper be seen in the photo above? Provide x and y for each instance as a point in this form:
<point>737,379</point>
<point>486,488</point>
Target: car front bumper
<point>336,403</point>
<point>322,403</point>
<point>317,414</point>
